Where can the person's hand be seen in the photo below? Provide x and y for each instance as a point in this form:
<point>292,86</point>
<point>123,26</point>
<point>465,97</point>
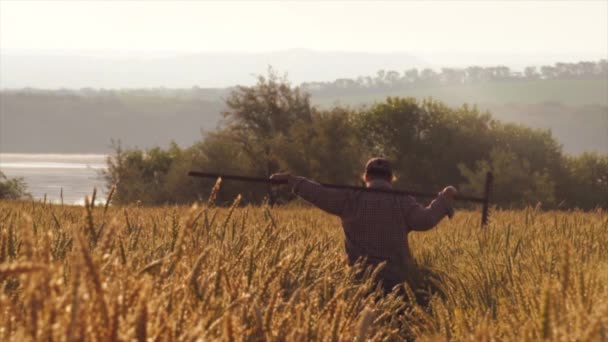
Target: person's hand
<point>281,177</point>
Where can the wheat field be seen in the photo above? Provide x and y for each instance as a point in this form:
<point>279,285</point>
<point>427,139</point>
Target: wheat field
<point>250,273</point>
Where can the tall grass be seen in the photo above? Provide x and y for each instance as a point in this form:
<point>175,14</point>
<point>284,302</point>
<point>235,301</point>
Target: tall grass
<point>260,273</point>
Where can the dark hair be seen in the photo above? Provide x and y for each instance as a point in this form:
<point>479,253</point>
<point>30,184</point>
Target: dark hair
<point>379,173</point>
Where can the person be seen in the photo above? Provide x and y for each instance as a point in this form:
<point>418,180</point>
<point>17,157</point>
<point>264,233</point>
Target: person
<point>376,224</point>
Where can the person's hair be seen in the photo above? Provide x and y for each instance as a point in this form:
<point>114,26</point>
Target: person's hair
<point>378,174</point>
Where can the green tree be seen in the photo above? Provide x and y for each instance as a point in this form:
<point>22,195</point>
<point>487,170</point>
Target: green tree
<point>141,175</point>
<point>515,183</point>
<point>425,139</point>
<point>327,149</point>
<point>538,147</point>
<point>259,115</point>
<point>586,186</point>
<point>220,152</point>
<point>13,188</point>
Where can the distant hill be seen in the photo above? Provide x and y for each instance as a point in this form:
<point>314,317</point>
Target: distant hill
<point>210,69</point>
<point>578,128</point>
<point>84,121</point>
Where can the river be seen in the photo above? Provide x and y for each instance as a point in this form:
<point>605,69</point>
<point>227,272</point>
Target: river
<point>76,175</point>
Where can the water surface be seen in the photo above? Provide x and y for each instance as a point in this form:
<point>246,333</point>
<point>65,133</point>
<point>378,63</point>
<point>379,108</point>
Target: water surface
<point>49,174</point>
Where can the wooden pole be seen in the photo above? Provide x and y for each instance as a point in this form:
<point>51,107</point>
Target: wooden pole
<point>334,186</point>
<point>486,199</point>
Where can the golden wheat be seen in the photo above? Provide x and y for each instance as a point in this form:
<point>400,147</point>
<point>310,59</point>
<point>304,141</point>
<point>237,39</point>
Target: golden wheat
<point>260,273</point>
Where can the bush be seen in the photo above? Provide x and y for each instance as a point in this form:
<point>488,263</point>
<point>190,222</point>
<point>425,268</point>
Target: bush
<point>13,188</point>
<point>586,186</point>
<point>515,184</point>
<point>142,176</point>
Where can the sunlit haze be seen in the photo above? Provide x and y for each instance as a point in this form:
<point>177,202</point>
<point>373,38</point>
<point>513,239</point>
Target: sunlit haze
<point>131,44</point>
<point>188,26</point>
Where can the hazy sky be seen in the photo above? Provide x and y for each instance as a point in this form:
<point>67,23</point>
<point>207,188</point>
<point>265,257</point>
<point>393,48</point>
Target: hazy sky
<point>527,27</point>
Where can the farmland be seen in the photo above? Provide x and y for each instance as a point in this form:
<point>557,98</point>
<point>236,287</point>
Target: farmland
<point>260,273</point>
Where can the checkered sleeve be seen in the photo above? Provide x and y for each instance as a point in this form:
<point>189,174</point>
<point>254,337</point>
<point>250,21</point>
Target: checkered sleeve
<point>425,218</point>
<point>332,201</point>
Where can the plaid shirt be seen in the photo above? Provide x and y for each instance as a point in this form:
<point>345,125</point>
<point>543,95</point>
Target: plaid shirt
<point>376,224</point>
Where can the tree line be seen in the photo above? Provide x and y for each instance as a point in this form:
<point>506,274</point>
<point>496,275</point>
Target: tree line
<point>395,80</point>
<point>272,126</point>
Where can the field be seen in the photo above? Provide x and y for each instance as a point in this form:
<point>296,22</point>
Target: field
<point>260,273</point>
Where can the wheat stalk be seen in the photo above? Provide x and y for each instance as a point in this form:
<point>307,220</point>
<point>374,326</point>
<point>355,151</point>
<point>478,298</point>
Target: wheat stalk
<point>257,273</point>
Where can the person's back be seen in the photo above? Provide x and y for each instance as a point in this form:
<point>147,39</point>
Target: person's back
<point>376,224</point>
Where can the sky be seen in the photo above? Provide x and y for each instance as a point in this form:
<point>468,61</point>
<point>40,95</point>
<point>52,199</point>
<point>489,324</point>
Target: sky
<point>140,27</point>
<point>115,44</point>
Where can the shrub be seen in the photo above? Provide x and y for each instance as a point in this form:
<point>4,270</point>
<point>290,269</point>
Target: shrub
<point>13,188</point>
